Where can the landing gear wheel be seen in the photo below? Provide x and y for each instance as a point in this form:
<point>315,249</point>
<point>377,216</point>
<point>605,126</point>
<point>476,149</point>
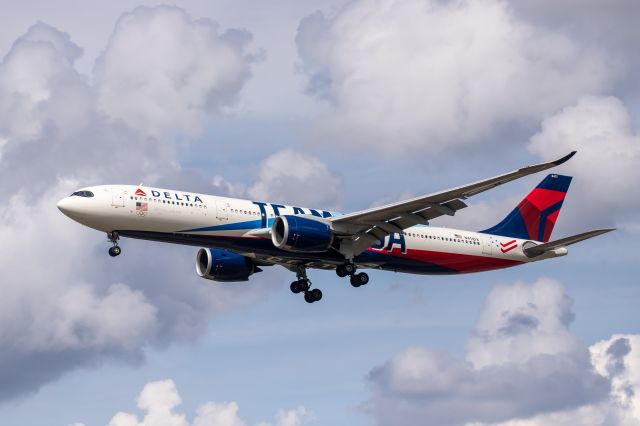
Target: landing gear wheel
<point>359,279</point>
<point>349,268</point>
<point>363,278</point>
<point>113,237</point>
<point>341,271</point>
<point>303,284</point>
<point>313,295</point>
<point>115,251</point>
<point>316,293</point>
<point>299,286</point>
<point>354,281</point>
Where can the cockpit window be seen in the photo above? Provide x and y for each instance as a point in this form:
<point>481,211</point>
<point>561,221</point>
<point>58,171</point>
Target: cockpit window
<point>86,194</point>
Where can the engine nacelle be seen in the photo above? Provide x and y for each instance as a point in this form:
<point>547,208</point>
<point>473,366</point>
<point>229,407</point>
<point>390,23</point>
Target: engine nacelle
<point>301,234</point>
<point>224,265</point>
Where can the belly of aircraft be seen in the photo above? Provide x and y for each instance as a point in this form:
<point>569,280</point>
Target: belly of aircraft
<point>412,261</point>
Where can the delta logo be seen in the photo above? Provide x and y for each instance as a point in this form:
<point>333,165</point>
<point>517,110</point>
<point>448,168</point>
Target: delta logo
<point>508,246</point>
<point>140,193</point>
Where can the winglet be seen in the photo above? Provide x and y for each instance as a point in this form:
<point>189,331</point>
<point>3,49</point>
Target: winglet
<point>565,158</point>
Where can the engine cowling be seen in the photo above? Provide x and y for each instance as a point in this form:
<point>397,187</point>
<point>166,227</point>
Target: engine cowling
<point>301,234</point>
<point>224,265</point>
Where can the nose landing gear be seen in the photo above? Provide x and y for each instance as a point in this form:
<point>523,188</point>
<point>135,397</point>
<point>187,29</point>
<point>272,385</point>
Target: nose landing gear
<point>303,284</point>
<point>113,237</point>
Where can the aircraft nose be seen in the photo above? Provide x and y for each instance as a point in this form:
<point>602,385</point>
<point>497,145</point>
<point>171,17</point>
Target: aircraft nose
<point>65,206</point>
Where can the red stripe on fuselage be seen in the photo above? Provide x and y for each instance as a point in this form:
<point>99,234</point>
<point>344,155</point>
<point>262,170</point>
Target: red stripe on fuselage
<point>461,263</point>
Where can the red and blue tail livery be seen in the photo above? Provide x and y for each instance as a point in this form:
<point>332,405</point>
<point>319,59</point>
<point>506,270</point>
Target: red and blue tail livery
<point>536,215</point>
<point>239,237</point>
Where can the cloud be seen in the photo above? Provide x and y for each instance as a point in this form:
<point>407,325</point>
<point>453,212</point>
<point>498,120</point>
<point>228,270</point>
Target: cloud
<point>520,322</point>
<point>48,311</point>
<point>294,417</point>
<point>65,303</point>
<point>432,75</point>
<point>522,366</point>
<point>36,72</point>
<point>616,359</point>
<point>607,166</point>
<point>298,179</point>
<point>289,177</point>
<point>609,27</point>
<point>163,71</point>
<point>160,399</point>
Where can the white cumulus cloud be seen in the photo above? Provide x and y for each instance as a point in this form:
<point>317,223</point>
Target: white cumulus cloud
<point>160,400</point>
<point>607,166</point>
<point>65,304</point>
<point>430,74</point>
<point>162,71</point>
<point>616,359</point>
<point>522,367</point>
<point>290,177</point>
<point>297,179</point>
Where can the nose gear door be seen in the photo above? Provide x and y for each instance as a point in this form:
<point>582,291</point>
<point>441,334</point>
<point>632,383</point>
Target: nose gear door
<point>117,197</point>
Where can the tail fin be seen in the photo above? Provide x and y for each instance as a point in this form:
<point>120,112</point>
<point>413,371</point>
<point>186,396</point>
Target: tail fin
<point>535,216</point>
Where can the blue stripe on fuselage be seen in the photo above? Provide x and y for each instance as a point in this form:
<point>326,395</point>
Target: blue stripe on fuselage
<point>246,225</point>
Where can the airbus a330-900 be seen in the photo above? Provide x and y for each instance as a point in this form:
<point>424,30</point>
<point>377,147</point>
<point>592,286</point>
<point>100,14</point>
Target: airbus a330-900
<point>239,237</point>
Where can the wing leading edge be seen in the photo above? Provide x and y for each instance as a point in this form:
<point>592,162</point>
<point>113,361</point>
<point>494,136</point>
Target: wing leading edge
<point>361,229</point>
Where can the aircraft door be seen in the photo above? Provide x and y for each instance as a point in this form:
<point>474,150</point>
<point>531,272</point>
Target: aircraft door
<point>117,197</point>
<point>486,245</point>
<point>221,210</point>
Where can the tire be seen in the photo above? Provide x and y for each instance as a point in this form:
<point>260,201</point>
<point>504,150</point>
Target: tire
<point>295,287</point>
<point>115,251</point>
<point>350,268</point>
<point>316,293</point>
<point>304,284</point>
<point>341,271</point>
<point>354,281</point>
<point>363,278</point>
<point>308,297</point>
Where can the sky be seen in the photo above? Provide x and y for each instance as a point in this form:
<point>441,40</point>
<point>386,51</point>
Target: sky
<point>340,105</point>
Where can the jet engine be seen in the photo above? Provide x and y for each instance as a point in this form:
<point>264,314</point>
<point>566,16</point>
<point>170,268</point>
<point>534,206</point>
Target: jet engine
<point>301,234</point>
<point>224,265</point>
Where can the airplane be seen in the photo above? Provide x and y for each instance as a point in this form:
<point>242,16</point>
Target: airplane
<point>239,237</point>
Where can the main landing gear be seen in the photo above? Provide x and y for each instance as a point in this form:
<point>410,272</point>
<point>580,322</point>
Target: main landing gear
<point>303,284</point>
<point>350,269</point>
<point>115,250</point>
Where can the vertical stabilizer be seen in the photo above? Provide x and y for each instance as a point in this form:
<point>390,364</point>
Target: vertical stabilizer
<point>536,215</point>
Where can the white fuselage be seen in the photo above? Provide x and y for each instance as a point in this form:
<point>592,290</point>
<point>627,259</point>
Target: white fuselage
<point>240,225</point>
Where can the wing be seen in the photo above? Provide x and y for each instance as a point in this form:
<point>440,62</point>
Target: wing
<point>368,227</point>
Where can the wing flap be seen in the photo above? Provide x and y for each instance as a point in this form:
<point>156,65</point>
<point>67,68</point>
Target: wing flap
<point>543,248</point>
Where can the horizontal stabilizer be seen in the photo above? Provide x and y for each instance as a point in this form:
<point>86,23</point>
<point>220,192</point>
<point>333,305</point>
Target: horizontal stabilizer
<point>543,248</point>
